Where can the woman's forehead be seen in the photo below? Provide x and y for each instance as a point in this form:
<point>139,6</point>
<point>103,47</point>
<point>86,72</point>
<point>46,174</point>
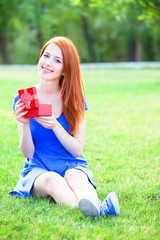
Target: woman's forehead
<point>54,50</point>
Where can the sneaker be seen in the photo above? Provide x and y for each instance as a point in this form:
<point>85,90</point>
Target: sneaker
<point>110,206</point>
<point>89,207</point>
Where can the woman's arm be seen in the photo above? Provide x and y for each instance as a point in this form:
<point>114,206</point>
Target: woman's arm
<point>26,141</point>
<point>73,144</point>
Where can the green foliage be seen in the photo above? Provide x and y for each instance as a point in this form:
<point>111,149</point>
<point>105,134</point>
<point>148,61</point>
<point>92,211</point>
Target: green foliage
<point>101,30</point>
<point>122,149</point>
<point>7,10</point>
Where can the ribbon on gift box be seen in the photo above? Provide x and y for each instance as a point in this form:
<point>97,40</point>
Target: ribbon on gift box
<point>27,98</point>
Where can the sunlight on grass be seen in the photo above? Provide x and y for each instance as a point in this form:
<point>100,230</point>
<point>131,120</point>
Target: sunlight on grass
<point>122,149</point>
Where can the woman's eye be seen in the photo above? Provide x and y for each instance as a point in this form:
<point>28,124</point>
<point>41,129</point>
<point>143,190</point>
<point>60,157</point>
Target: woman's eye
<point>45,55</point>
<point>57,60</point>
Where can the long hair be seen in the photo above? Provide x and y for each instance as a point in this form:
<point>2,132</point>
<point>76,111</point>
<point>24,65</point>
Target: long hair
<point>71,85</point>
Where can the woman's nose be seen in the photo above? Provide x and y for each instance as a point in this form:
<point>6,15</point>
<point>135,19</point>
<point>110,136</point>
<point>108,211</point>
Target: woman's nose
<point>48,61</point>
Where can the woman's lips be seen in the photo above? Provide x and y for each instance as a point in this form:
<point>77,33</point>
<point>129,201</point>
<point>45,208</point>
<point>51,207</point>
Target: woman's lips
<point>46,70</point>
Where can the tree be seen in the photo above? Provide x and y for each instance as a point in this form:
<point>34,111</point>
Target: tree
<point>7,11</point>
<point>102,30</point>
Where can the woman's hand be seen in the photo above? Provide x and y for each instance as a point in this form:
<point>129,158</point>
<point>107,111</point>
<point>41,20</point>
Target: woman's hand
<point>19,113</point>
<point>47,122</point>
<point>73,144</point>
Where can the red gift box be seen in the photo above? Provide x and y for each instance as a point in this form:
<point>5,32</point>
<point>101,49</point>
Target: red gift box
<point>42,110</point>
<point>29,97</point>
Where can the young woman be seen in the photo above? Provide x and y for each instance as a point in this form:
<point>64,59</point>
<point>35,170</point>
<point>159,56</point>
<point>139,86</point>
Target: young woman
<point>54,164</point>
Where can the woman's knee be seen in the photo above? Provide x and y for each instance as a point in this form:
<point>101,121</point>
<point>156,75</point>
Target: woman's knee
<point>45,183</point>
<point>72,174</point>
<point>53,181</point>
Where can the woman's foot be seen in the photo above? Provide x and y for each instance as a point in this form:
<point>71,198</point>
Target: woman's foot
<point>110,206</point>
<point>89,207</point>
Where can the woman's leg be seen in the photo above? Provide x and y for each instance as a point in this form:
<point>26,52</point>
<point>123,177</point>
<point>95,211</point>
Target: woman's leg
<point>88,202</point>
<point>80,185</point>
<point>52,184</point>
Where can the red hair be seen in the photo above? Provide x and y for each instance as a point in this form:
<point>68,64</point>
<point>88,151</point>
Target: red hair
<point>72,88</point>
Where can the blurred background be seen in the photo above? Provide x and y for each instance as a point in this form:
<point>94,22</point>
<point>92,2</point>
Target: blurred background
<point>102,30</point>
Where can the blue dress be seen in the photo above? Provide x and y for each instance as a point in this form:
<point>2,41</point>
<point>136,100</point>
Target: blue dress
<point>50,155</point>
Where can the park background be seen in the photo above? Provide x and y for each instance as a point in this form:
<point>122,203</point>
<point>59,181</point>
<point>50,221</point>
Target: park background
<point>102,30</point>
<point>123,116</point>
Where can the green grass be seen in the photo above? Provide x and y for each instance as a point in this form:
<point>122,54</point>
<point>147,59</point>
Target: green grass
<point>122,148</point>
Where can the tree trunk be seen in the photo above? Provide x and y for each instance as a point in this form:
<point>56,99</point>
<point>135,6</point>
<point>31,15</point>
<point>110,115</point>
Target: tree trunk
<point>131,50</point>
<point>88,39</point>
<point>3,50</point>
<point>138,51</point>
<point>39,36</point>
<point>158,49</point>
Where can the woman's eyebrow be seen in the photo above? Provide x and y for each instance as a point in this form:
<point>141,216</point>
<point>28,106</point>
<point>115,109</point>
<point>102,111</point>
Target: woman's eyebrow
<point>58,57</point>
<point>47,53</point>
<point>54,56</point>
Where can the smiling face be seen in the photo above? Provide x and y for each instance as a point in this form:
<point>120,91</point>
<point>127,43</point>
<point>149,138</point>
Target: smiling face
<point>50,65</point>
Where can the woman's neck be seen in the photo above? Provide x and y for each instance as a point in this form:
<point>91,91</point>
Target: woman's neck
<point>48,87</point>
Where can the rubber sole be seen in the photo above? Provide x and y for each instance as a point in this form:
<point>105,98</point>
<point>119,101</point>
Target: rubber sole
<point>88,207</point>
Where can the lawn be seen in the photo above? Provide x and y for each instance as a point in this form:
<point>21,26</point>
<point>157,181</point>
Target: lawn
<point>122,148</point>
